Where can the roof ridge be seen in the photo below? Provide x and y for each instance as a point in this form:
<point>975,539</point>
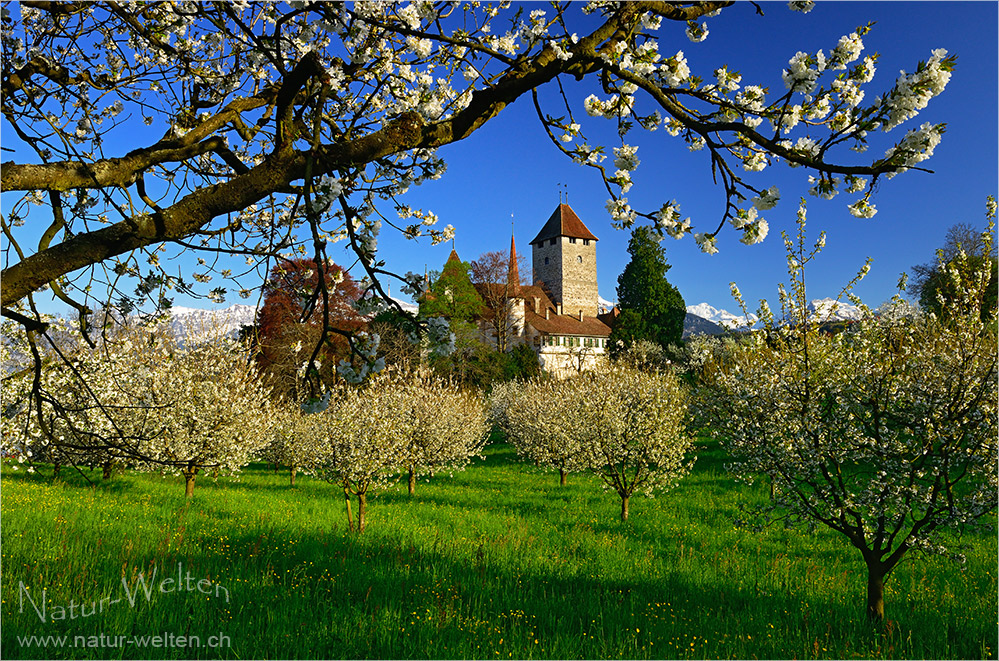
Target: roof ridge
<point>564,222</point>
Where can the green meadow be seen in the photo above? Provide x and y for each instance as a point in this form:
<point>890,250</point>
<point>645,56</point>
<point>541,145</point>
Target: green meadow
<point>494,562</point>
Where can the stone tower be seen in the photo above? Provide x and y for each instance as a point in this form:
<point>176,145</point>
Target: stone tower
<point>565,259</point>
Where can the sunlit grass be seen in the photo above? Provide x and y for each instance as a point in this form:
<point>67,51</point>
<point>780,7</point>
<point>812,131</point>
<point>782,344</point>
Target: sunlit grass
<point>495,562</point>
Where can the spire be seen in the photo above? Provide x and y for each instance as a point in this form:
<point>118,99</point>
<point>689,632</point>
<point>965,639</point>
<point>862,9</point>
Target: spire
<point>513,275</point>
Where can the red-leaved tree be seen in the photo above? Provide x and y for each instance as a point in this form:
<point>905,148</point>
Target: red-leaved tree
<point>295,312</point>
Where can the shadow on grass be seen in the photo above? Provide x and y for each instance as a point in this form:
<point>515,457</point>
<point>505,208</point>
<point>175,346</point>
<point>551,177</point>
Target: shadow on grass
<point>357,596</point>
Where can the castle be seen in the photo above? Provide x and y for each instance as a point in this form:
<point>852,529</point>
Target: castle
<point>559,315</point>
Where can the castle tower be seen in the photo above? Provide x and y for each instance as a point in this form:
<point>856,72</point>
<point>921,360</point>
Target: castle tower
<point>513,274</point>
<point>564,255</point>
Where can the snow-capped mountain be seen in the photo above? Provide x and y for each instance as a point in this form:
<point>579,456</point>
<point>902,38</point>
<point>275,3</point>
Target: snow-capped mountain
<point>829,309</point>
<point>603,304</point>
<point>723,318</point>
<point>694,325</point>
<point>187,323</point>
<point>406,305</point>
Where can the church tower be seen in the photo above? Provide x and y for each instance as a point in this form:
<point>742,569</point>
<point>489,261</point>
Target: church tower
<point>565,259</point>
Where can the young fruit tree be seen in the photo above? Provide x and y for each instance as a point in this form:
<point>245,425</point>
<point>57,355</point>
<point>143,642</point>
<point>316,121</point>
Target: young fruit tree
<point>633,430</point>
<point>625,426</point>
<point>886,433</point>
<point>538,418</point>
<point>236,134</point>
<point>206,406</point>
<point>359,441</point>
<point>288,443</point>
<point>446,426</point>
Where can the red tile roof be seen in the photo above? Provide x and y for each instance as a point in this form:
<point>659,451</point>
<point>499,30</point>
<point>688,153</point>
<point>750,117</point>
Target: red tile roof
<point>564,222</point>
<point>555,324</point>
<point>567,325</point>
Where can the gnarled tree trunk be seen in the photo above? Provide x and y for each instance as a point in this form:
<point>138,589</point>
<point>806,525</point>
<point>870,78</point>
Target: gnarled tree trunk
<point>561,477</point>
<point>190,472</point>
<point>878,570</point>
<point>294,471</point>
<point>875,594</point>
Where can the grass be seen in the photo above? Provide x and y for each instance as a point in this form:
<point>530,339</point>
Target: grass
<point>495,562</point>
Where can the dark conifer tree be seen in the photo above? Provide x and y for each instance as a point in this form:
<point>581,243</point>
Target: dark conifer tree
<point>651,308</point>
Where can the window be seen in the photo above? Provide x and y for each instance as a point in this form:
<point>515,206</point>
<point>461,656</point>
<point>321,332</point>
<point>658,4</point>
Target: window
<point>586,242</point>
<point>552,242</point>
<point>579,258</point>
<point>572,239</point>
<point>546,261</point>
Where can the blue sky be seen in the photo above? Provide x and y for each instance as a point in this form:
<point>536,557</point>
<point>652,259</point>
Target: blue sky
<point>509,167</point>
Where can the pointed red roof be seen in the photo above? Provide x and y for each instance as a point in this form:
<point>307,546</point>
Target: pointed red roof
<point>453,256</point>
<point>564,222</point>
<point>513,275</point>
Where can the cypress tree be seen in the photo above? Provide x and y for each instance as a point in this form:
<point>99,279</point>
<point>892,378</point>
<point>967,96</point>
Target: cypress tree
<point>651,308</point>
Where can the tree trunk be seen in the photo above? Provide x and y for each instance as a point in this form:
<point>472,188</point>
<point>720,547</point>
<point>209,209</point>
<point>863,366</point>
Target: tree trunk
<point>875,593</point>
<point>294,471</point>
<point>624,508</point>
<point>561,477</point>
<point>56,468</point>
<point>412,481</point>
<point>362,500</point>
<point>189,474</point>
<point>350,516</point>
<point>277,466</point>
<point>106,473</point>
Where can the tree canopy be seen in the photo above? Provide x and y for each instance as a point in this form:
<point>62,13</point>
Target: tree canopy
<point>452,294</point>
<point>931,285</point>
<point>260,128</point>
<point>651,308</point>
<point>146,136</point>
<point>307,312</point>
